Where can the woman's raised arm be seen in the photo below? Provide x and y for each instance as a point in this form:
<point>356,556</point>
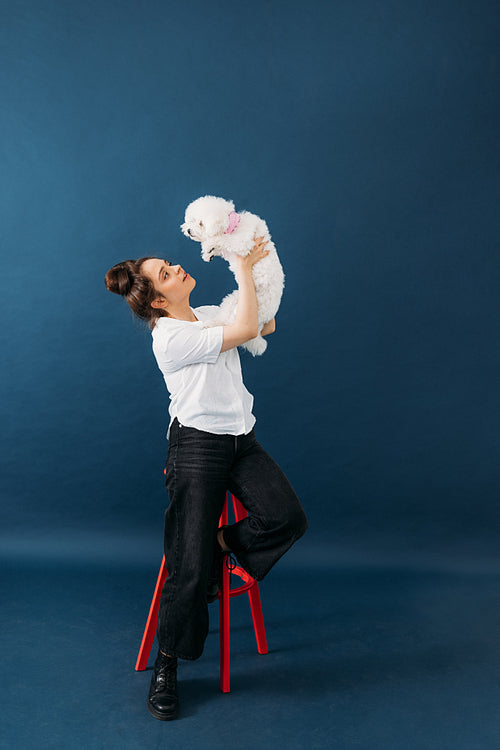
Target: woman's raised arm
<point>246,322</point>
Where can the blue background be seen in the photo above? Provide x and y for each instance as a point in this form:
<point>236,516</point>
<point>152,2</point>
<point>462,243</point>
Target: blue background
<point>366,135</point>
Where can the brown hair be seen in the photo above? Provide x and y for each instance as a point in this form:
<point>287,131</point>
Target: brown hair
<point>126,279</point>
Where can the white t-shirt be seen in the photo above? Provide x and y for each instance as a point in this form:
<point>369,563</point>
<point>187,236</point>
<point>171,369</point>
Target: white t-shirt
<point>205,385</point>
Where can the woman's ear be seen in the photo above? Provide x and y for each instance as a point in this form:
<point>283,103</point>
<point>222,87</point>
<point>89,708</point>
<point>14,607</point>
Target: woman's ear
<point>160,303</point>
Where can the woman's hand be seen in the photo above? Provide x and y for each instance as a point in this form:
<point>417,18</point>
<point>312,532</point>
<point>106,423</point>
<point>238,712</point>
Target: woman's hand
<point>258,252</point>
<point>268,328</point>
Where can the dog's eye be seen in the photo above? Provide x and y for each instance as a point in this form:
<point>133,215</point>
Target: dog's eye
<point>201,223</point>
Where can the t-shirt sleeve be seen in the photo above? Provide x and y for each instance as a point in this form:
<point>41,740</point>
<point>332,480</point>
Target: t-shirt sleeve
<point>188,345</point>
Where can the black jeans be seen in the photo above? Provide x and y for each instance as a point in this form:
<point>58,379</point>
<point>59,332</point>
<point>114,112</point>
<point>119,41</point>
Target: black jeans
<point>200,468</point>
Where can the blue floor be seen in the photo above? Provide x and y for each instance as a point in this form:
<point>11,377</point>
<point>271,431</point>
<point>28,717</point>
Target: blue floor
<point>360,657</point>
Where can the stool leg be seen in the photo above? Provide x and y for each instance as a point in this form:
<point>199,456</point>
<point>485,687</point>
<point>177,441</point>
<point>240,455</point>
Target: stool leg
<point>224,631</point>
<point>258,620</point>
<point>152,621</point>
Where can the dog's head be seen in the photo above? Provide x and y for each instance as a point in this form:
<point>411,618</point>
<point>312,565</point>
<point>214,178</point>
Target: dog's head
<point>207,217</point>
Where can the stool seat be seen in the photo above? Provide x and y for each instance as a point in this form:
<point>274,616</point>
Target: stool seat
<point>249,586</point>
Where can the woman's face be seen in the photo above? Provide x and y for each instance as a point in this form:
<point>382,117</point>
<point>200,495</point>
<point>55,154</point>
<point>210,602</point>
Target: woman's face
<point>172,282</point>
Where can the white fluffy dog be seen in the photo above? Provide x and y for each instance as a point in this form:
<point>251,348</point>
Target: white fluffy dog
<point>221,231</point>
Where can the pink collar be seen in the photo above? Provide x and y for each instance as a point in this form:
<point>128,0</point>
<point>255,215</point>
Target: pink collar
<point>234,220</point>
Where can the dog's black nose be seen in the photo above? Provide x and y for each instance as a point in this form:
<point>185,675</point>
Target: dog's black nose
<point>189,231</point>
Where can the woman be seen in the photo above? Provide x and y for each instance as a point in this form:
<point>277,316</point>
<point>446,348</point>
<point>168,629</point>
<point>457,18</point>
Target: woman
<point>212,448</point>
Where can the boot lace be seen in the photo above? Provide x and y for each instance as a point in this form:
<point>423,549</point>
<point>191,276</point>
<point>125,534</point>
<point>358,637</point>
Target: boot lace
<point>166,676</point>
<point>230,563</point>
<point>166,680</point>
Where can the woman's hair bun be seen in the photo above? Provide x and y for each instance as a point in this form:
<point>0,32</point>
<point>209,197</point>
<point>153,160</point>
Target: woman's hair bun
<point>127,279</point>
<point>120,278</point>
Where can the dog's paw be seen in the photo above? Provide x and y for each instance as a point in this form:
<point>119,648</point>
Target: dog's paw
<point>256,346</point>
<point>208,255</point>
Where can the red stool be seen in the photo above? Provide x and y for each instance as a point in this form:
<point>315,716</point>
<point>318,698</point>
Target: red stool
<point>250,585</point>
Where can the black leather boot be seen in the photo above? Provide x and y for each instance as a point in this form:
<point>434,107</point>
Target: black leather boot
<point>163,701</point>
